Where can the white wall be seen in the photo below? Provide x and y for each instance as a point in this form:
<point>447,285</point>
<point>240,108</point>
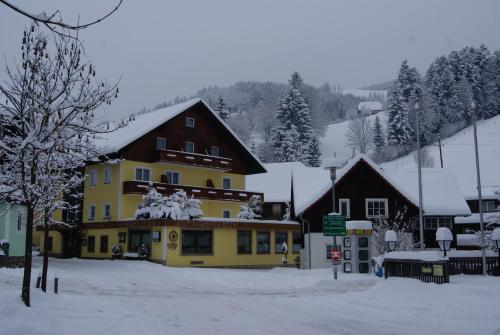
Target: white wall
<point>318,251</point>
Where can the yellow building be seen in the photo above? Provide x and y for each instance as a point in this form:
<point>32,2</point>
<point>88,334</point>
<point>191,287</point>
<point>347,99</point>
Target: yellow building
<point>183,147</point>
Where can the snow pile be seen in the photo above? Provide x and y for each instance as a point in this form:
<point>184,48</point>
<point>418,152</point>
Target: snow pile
<point>363,225</point>
<point>458,154</point>
<point>426,256</point>
<point>441,191</point>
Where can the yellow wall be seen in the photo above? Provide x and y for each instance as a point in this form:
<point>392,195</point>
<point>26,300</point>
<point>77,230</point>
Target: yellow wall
<point>101,193</point>
<point>57,242</point>
<point>112,234</point>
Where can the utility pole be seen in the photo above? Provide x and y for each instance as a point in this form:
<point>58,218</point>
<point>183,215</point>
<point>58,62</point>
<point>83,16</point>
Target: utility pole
<point>419,162</point>
<point>479,194</point>
<point>440,149</point>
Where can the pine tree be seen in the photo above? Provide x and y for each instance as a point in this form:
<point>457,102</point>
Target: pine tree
<point>314,158</point>
<point>398,126</point>
<point>221,108</point>
<point>378,135</point>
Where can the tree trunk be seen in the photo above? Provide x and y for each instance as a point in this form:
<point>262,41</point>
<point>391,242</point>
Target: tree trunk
<point>45,252</point>
<point>25,295</point>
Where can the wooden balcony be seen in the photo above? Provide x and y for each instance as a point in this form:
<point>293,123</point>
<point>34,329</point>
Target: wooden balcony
<point>186,158</point>
<point>140,187</point>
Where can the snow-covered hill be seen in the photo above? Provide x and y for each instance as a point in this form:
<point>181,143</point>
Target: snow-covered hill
<point>458,154</point>
<point>333,143</point>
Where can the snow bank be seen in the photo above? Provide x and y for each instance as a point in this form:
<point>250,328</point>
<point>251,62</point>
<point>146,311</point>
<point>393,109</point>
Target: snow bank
<point>352,225</point>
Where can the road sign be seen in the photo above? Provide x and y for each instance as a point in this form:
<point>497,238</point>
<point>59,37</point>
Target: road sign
<point>335,255</point>
<point>333,225</point>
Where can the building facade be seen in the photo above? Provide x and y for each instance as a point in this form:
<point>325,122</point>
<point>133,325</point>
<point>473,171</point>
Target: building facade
<point>13,228</point>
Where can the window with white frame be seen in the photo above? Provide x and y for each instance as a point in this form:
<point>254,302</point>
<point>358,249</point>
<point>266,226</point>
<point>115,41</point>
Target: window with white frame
<point>226,213</point>
<point>161,143</point>
<point>489,205</point>
<point>92,212</point>
<point>107,175</point>
<point>107,211</point>
<point>189,122</point>
<point>376,208</point>
<point>437,222</point>
<point>93,177</point>
<point>173,177</point>
<point>345,207</point>
<point>142,174</point>
<point>226,183</point>
<point>189,147</point>
<point>214,150</point>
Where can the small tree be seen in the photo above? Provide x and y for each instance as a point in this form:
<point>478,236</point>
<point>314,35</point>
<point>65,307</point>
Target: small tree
<point>314,155</point>
<point>399,223</point>
<point>378,135</point>
<point>253,210</point>
<point>221,108</point>
<point>177,206</point>
<point>360,135</point>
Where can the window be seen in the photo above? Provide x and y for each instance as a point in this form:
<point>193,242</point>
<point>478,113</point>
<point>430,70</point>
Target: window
<point>363,242</point>
<point>214,151</point>
<point>189,147</point>
<point>376,208</point>
<point>104,244</point>
<point>437,222</point>
<point>50,244</point>
<point>19,225</point>
<point>92,212</point>
<point>276,210</point>
<point>363,255</point>
<point>297,241</point>
<point>91,244</point>
<point>107,175</point>
<point>173,177</point>
<point>345,207</point>
<point>189,122</point>
<point>107,211</point>
<point>161,143</point>
<point>263,240</point>
<point>226,213</point>
<point>122,237</point>
<point>280,237</point>
<point>244,242</point>
<point>93,177</point>
<point>489,205</point>
<point>226,183</point>
<point>142,174</point>
<point>347,255</point>
<point>196,242</point>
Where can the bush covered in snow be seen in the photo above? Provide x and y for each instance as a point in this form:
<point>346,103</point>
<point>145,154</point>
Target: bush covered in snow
<point>177,206</point>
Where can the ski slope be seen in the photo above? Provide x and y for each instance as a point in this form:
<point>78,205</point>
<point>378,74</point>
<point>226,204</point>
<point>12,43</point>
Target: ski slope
<point>333,143</point>
<point>458,155</point>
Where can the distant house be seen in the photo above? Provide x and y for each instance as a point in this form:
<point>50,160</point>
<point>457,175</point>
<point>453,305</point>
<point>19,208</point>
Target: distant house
<point>491,214</point>
<point>370,107</point>
<point>363,191</point>
<point>13,228</point>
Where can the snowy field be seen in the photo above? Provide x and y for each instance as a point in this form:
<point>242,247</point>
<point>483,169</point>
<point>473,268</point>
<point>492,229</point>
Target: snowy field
<point>127,297</point>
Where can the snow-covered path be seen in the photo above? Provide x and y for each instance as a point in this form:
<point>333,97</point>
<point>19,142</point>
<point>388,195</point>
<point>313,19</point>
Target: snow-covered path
<point>126,297</point>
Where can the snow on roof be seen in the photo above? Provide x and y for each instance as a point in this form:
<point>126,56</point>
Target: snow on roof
<point>232,220</point>
<point>370,106</point>
<point>276,183</point>
<point>474,218</point>
<point>441,192</point>
<point>353,225</point>
<point>309,184</point>
<point>458,154</point>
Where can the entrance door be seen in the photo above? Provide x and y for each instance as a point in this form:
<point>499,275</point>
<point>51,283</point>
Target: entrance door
<point>139,237</point>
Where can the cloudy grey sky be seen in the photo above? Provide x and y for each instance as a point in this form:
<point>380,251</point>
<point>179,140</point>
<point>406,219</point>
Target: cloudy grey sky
<point>161,49</point>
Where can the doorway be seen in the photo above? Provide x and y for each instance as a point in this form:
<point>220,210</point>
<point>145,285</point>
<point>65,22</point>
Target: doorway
<point>137,238</point>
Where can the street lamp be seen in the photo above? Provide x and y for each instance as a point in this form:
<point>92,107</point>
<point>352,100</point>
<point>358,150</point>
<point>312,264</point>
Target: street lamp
<point>495,236</point>
<point>419,163</point>
<point>444,238</point>
<point>391,239</point>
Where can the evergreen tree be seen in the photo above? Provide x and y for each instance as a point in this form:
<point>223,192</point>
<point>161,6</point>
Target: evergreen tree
<point>221,108</point>
<point>314,159</point>
<point>378,135</point>
<point>398,126</point>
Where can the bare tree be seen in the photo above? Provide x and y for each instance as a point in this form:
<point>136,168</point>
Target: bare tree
<point>54,21</point>
<point>48,124</point>
<point>360,135</point>
<point>399,222</point>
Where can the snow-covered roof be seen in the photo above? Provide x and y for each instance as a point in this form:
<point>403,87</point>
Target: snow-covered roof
<point>458,154</point>
<point>146,122</point>
<point>441,192</point>
<point>275,184</point>
<point>426,256</point>
<point>474,218</point>
<point>309,184</point>
<point>370,106</point>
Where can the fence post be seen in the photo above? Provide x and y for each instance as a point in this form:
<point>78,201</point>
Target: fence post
<point>56,284</point>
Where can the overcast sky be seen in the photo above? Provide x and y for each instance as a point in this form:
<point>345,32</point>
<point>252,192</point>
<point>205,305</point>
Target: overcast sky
<point>161,49</point>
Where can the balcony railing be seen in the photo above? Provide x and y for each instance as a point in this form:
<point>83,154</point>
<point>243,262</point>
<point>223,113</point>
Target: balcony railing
<point>181,157</point>
<point>141,187</point>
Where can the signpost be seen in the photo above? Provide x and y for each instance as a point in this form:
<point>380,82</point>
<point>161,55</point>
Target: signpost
<point>334,225</point>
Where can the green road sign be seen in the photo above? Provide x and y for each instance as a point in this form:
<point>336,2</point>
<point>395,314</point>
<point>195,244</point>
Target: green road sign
<point>333,225</point>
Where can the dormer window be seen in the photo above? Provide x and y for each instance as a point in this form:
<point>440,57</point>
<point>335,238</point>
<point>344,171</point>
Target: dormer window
<point>161,143</point>
<point>189,147</point>
<point>189,122</point>
<point>214,151</point>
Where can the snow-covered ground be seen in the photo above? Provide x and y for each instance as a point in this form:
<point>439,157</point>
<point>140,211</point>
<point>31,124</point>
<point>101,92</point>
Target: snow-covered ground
<point>134,297</point>
<point>458,154</point>
<point>334,140</point>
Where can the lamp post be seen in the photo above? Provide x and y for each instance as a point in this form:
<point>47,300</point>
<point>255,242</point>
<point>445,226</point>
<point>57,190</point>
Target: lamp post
<point>391,239</point>
<point>419,163</point>
<point>495,236</point>
<point>333,164</point>
<point>444,238</point>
